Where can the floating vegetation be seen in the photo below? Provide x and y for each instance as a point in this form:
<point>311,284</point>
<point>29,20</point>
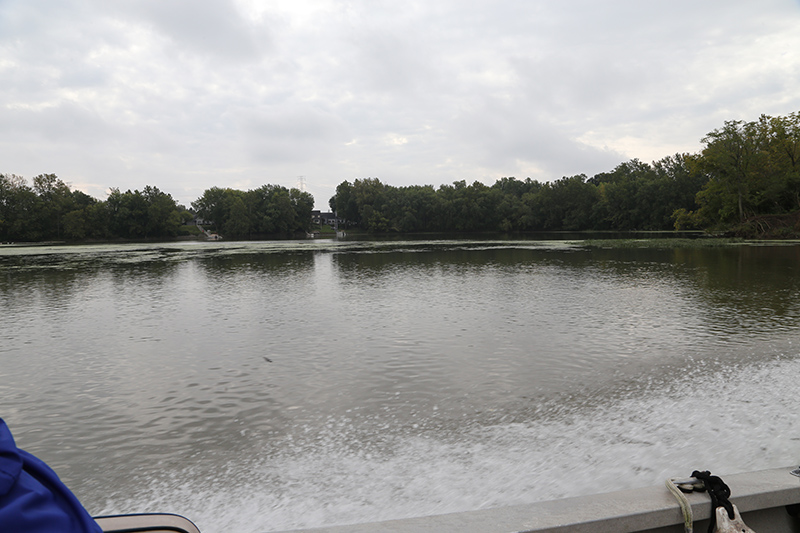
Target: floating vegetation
<point>660,243</point>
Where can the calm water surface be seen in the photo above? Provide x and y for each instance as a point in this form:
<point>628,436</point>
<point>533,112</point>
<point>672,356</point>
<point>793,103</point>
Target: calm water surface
<point>266,386</point>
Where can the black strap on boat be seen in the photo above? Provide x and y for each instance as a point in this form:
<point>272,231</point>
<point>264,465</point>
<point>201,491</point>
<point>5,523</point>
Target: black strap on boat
<point>719,493</point>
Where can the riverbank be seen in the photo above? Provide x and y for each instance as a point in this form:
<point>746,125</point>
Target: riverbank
<point>769,227</point>
<point>592,239</point>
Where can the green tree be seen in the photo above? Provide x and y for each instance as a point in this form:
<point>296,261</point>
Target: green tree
<point>98,220</point>
<point>783,190</point>
<point>211,206</point>
<point>75,226</point>
<point>303,204</point>
<point>163,214</point>
<point>344,204</point>
<point>237,220</point>
<point>731,158</point>
<point>20,210</point>
<point>57,201</point>
<point>369,195</point>
<point>677,186</point>
<point>128,213</point>
<point>565,204</point>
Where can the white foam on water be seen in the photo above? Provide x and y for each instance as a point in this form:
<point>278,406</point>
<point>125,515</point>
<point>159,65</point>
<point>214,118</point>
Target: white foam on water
<point>725,419</point>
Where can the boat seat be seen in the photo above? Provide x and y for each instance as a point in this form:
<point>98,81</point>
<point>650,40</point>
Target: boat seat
<point>152,523</point>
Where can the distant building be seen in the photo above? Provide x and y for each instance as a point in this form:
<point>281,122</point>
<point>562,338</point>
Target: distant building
<point>318,217</point>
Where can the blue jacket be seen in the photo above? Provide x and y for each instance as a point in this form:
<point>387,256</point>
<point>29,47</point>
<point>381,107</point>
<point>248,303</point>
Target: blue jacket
<point>32,498</point>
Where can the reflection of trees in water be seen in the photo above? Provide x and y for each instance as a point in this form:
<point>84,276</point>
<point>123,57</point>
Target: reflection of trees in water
<point>51,278</point>
<point>735,288</point>
<point>461,259</point>
<point>57,275</point>
<point>747,287</point>
<point>242,273</point>
<point>61,270</point>
<point>731,287</point>
<point>744,268</point>
<point>271,264</point>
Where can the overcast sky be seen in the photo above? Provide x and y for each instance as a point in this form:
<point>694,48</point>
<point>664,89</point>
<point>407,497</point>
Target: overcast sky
<point>190,94</point>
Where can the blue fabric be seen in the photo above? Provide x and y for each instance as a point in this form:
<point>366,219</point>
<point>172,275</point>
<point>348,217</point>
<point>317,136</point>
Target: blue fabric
<point>32,498</point>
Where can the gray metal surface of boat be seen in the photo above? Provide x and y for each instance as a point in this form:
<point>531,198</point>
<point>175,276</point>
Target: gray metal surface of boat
<point>769,502</point>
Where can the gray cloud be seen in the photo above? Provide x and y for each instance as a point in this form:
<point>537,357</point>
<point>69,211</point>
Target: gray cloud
<point>297,135</point>
<point>66,123</point>
<point>210,27</point>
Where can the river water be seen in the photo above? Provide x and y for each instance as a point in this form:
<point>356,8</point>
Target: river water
<point>267,386</point>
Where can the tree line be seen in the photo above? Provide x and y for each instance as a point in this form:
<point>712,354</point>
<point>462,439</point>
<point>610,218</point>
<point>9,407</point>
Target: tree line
<point>267,210</point>
<point>50,210</point>
<point>746,179</point>
<point>633,196</point>
<point>746,172</point>
<point>752,172</point>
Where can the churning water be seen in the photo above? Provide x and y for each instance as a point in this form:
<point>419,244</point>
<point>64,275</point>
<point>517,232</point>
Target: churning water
<point>268,386</point>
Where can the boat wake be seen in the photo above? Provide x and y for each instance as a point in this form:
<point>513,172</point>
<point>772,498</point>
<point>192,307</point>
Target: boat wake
<point>727,420</point>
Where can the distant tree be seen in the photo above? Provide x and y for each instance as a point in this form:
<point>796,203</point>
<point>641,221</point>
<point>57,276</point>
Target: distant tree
<point>565,204</point>
<point>267,210</point>
<point>82,200</point>
<point>20,209</point>
<point>163,214</point>
<point>98,220</point>
<point>344,204</point>
<point>370,196</point>
<point>75,226</point>
<point>678,184</point>
<point>236,223</point>
<point>211,206</point>
<point>619,191</point>
<point>303,204</point>
<point>128,212</point>
<point>57,201</point>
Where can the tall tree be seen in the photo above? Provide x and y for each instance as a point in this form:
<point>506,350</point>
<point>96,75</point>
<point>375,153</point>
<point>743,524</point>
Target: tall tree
<point>731,157</point>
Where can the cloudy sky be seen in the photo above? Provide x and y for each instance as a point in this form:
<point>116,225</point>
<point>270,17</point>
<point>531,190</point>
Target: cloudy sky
<point>190,94</point>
